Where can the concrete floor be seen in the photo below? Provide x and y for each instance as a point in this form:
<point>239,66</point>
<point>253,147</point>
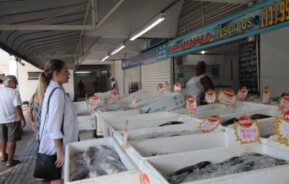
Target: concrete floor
<point>27,140</point>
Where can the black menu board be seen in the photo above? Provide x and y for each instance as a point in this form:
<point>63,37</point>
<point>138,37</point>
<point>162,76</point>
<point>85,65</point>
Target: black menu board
<point>248,66</point>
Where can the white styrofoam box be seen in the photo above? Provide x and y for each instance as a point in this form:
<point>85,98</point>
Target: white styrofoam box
<point>143,121</point>
<point>81,108</point>
<point>158,132</point>
<point>272,141</point>
<point>86,122</point>
<point>138,94</point>
<point>201,108</point>
<point>131,176</point>
<point>166,102</point>
<point>116,114</point>
<point>266,125</point>
<point>141,150</point>
<point>156,168</point>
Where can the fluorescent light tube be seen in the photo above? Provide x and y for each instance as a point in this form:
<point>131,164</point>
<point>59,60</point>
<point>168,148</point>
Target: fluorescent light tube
<point>103,59</point>
<point>117,50</point>
<point>147,28</point>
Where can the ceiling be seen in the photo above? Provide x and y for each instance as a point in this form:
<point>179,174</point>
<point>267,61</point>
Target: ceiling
<point>83,31</point>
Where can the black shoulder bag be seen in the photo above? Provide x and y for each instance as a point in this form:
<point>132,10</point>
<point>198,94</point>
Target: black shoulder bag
<point>45,167</point>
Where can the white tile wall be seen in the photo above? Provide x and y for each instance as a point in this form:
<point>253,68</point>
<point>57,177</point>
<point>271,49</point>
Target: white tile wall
<point>274,60</point>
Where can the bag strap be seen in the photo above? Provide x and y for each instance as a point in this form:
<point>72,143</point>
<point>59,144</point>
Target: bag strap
<point>48,111</point>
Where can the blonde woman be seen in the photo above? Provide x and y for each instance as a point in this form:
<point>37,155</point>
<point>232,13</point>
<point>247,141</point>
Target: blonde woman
<point>35,105</point>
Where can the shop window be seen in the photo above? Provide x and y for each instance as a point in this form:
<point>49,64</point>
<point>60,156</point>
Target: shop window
<point>33,75</point>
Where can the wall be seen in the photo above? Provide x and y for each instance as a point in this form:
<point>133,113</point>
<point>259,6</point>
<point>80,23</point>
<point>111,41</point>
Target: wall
<point>118,75</point>
<point>227,78</point>
<point>26,87</point>
<point>274,61</point>
<point>4,62</point>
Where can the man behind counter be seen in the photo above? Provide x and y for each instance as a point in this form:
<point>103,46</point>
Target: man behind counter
<point>199,84</point>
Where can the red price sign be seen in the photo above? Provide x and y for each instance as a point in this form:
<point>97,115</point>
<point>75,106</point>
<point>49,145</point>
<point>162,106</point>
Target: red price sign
<point>282,128</point>
<point>242,94</point>
<point>266,95</point>
<point>160,87</point>
<point>210,96</point>
<point>191,104</point>
<point>284,103</point>
<point>114,95</point>
<point>177,87</point>
<point>246,130</point>
<point>227,97</point>
<point>210,124</point>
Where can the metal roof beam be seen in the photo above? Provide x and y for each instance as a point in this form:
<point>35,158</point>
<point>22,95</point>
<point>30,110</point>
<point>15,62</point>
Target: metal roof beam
<point>57,27</point>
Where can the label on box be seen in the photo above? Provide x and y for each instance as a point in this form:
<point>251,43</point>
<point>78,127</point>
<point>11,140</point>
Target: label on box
<point>210,96</point>
<point>284,103</point>
<point>246,131</point>
<point>242,94</point>
<point>210,124</point>
<point>177,87</point>
<point>125,133</point>
<point>266,95</point>
<point>114,95</point>
<point>191,104</point>
<point>227,97</point>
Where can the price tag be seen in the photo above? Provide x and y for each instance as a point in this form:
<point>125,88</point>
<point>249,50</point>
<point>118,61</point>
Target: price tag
<point>160,87</point>
<point>177,87</point>
<point>246,131</point>
<point>125,133</point>
<point>145,179</point>
<point>167,86</point>
<point>266,95</point>
<point>227,97</point>
<point>191,104</point>
<point>94,100</point>
<point>133,100</point>
<point>114,95</point>
<point>210,96</point>
<point>242,94</point>
<point>210,124</point>
<point>282,128</point>
<point>284,103</point>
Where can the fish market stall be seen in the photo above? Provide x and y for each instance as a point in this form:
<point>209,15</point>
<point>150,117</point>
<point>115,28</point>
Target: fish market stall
<point>248,164</point>
<point>165,101</point>
<point>81,108</point>
<point>142,150</point>
<point>159,132</point>
<point>98,161</point>
<point>141,121</point>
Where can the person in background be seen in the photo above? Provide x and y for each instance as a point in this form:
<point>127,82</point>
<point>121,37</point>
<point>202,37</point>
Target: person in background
<point>59,125</point>
<point>199,84</point>
<point>114,85</point>
<point>81,88</point>
<point>11,120</point>
<point>35,105</point>
<point>1,83</point>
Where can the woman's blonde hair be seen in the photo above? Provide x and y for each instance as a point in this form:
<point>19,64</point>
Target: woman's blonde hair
<point>43,83</point>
